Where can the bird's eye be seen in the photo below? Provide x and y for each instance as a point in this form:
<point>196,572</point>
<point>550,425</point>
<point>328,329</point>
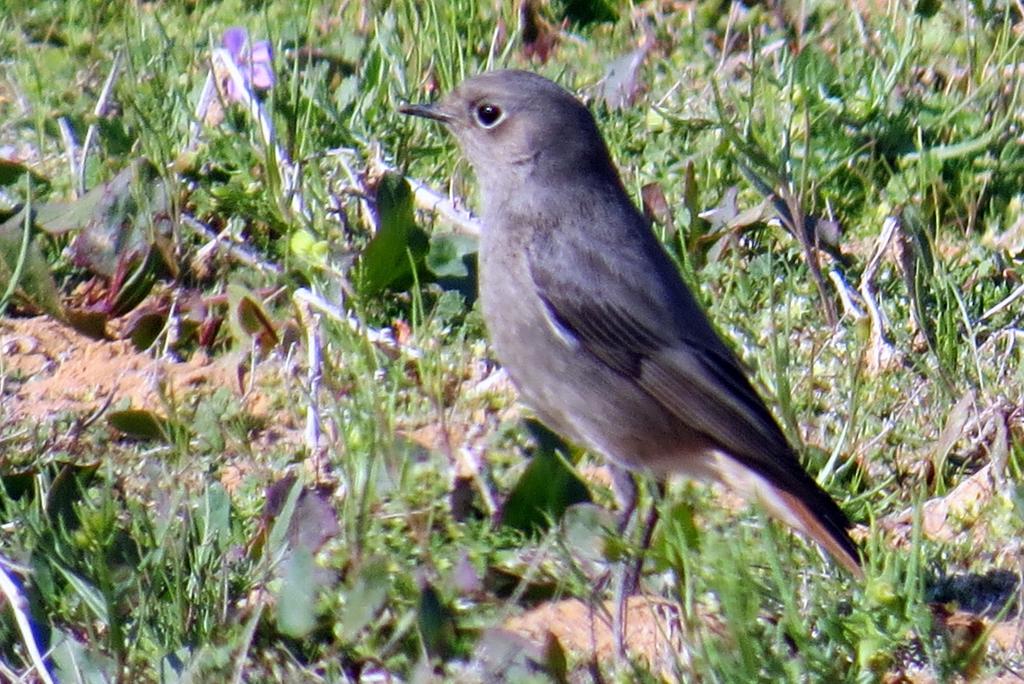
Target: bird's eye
<point>488,115</point>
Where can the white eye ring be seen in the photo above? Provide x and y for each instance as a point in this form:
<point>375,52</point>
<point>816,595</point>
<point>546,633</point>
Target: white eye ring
<point>488,115</point>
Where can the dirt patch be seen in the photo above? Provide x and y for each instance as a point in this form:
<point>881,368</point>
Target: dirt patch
<point>47,368</point>
<point>654,630</point>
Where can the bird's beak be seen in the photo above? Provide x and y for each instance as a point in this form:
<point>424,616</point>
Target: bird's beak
<point>427,111</point>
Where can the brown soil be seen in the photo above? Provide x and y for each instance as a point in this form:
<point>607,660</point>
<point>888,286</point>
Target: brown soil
<point>47,368</point>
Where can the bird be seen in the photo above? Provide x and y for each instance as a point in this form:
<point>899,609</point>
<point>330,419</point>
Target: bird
<point>589,315</point>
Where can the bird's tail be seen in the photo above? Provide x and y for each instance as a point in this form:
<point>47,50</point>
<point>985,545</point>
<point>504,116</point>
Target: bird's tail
<point>802,505</point>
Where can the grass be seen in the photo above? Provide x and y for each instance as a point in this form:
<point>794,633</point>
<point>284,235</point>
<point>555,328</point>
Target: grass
<point>162,555</point>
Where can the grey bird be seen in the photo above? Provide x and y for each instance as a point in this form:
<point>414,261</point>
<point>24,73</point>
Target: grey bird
<point>589,316</point>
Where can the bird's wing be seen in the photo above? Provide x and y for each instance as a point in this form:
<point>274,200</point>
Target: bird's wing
<point>674,356</point>
<point>655,335</point>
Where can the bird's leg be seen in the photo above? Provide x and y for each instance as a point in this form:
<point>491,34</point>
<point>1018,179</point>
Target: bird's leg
<point>625,488</point>
<point>631,581</point>
<point>624,483</point>
<point>628,580</point>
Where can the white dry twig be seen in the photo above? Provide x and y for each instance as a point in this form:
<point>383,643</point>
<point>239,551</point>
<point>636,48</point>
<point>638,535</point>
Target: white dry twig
<point>430,200</point>
<point>70,150</point>
<point>19,606</point>
<point>236,251</point>
<point>310,322</point>
<point>206,97</point>
<point>381,338</point>
<point>1010,299</point>
<point>98,111</point>
<point>882,352</point>
<point>847,295</point>
<point>469,456</point>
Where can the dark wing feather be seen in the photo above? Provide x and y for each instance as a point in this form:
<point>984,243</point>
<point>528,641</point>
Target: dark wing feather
<point>677,358</point>
<point>700,383</point>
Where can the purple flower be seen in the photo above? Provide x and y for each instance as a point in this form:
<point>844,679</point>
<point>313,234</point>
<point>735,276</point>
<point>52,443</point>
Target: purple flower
<point>255,62</point>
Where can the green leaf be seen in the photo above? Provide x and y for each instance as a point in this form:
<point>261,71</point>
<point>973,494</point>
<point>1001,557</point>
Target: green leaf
<point>296,602</point>
<point>387,262</point>
<point>128,293</point>
<point>174,666</point>
<point>66,492</point>
<point>583,12</point>
<point>315,521</point>
<point>123,227</point>
<point>143,330</point>
<point>677,536</point>
<point>364,601</point>
<point>90,323</point>
<point>140,424</point>
<point>927,8</point>
<point>555,660</point>
<point>282,498</point>
<point>215,515</point>
<point>118,220</point>
<point>449,255</point>
<point>76,661</point>
<point>35,285</point>
<point>12,171</point>
<point>88,593</point>
<point>589,530</point>
<point>436,623</point>
<point>546,488</point>
<point>304,245</point>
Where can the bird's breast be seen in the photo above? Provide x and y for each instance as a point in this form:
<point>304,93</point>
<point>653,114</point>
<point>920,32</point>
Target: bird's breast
<point>537,357</point>
<point>571,390</point>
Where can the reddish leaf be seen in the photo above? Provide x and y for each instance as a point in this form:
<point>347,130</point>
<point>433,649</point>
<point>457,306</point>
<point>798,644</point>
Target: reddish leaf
<point>313,520</point>
<point>539,36</point>
<point>117,220</point>
<point>248,318</point>
<point>621,84</point>
<point>656,207</point>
